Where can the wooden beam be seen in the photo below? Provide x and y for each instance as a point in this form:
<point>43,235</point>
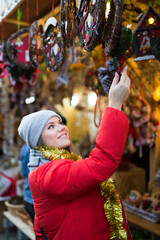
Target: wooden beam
<point>13,10</point>
<point>52,14</point>
<point>14,21</point>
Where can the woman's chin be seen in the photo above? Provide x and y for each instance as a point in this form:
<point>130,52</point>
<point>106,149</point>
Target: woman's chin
<point>66,144</point>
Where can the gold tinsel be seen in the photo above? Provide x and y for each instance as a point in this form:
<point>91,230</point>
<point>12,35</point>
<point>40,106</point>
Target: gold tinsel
<point>112,206</point>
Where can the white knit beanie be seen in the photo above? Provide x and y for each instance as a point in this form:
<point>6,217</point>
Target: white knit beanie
<point>32,125</point>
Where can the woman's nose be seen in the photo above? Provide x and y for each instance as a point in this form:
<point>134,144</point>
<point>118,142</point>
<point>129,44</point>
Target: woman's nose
<point>60,127</point>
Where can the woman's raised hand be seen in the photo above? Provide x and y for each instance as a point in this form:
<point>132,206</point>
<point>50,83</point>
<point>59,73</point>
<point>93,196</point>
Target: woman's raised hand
<point>119,90</point>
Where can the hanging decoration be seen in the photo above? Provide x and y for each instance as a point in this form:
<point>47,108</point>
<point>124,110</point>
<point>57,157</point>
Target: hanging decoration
<point>21,59</point>
<point>90,20</point>
<point>143,125</point>
<point>67,19</point>
<point>53,45</point>
<point>36,42</point>
<point>113,26</point>
<point>106,75</point>
<point>63,77</point>
<point>18,77</point>
<point>146,34</point>
<point>118,56</point>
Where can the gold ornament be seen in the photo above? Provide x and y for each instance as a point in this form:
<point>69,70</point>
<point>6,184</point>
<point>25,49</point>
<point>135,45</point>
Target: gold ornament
<point>112,206</point>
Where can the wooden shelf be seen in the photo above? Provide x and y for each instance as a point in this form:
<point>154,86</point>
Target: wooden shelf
<point>142,223</point>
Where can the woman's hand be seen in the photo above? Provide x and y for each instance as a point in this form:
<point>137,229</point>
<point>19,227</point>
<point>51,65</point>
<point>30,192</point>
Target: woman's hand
<point>119,91</point>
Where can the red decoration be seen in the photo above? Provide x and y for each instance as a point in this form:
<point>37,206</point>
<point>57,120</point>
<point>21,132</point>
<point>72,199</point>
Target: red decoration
<point>37,7</point>
<point>53,6</point>
<point>27,10</point>
<point>23,51</point>
<point>2,29</point>
<point>24,60</point>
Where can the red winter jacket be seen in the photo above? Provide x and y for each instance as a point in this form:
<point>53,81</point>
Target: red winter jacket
<point>66,195</point>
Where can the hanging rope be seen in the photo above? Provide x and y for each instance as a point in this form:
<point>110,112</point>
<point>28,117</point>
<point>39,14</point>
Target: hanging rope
<point>37,7</point>
<point>97,105</point>
<point>52,6</point>
<point>27,10</point>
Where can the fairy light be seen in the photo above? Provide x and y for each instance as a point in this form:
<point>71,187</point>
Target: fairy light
<point>92,97</point>
<point>156,94</point>
<point>107,8</point>
<point>150,20</point>
<point>30,100</point>
<point>74,100</point>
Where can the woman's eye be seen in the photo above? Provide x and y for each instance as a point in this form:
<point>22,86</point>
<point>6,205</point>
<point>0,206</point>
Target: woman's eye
<point>51,126</point>
<point>61,123</point>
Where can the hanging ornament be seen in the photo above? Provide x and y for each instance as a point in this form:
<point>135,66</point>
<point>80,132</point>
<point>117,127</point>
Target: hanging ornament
<point>113,26</point>
<point>106,75</point>
<point>90,20</point>
<point>63,77</point>
<point>53,45</point>
<point>36,42</point>
<point>67,19</point>
<point>22,58</point>
<point>145,34</point>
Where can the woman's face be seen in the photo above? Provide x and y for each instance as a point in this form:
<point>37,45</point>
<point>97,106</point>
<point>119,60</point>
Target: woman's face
<point>55,134</point>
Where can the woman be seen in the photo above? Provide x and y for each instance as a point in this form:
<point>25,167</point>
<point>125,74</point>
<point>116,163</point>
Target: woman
<point>72,200</point>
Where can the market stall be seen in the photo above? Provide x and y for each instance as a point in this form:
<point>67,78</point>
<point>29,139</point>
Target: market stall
<point>63,57</point>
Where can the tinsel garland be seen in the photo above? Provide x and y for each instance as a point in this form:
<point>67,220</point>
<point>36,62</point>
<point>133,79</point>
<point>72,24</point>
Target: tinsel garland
<point>112,206</point>
<point>113,210</point>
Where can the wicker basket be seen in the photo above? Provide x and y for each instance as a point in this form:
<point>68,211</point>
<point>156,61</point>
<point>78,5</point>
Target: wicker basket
<point>13,208</point>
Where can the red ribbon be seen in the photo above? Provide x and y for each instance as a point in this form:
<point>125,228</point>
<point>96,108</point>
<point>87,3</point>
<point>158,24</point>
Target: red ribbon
<point>53,6</point>
<point>27,10</point>
<point>2,29</point>
<point>37,7</point>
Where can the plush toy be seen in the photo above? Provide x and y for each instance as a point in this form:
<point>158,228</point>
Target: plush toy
<point>134,198</point>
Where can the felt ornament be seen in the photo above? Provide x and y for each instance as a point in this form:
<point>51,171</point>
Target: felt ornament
<point>35,42</point>
<point>67,19</point>
<point>53,45</point>
<point>113,26</point>
<point>145,34</point>
<point>21,59</point>
<point>90,21</point>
